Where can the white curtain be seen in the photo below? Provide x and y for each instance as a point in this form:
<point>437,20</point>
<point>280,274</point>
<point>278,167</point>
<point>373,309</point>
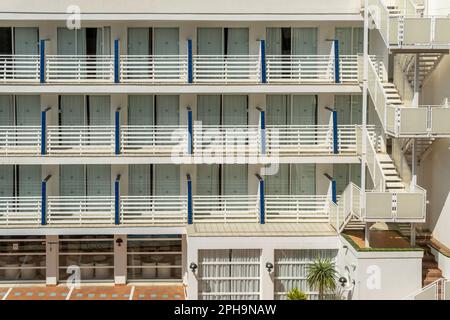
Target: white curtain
<point>28,110</point>
<point>167,110</point>
<point>99,110</point>
<point>166,41</point>
<point>140,110</point>
<point>26,40</point>
<point>98,180</point>
<point>209,41</point>
<point>208,109</point>
<point>167,179</point>
<point>6,110</point>
<point>304,41</point>
<point>139,180</point>
<point>234,110</point>
<point>273,42</point>
<point>72,110</point>
<point>29,180</point>
<point>237,42</point>
<point>208,179</point>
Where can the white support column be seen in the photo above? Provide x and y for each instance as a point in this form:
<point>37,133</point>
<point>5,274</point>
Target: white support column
<point>413,235</point>
<point>367,235</point>
<point>414,164</point>
<point>192,277</point>
<point>415,102</point>
<point>120,258</point>
<point>365,104</point>
<point>52,260</point>
<point>267,280</point>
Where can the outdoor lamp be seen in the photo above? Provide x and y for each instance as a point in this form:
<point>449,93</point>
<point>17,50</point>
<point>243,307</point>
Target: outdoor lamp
<point>269,266</point>
<point>193,266</point>
<point>119,241</point>
<point>343,281</point>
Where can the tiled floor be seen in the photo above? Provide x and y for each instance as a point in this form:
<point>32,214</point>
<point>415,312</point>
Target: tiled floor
<point>127,292</point>
<point>380,239</point>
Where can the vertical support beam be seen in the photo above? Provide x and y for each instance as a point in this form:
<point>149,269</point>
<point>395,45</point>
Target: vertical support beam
<point>116,61</point>
<point>337,67</point>
<point>44,202</point>
<point>51,260</point>
<point>117,131</point>
<point>263,132</point>
<point>120,259</point>
<point>263,61</point>
<point>189,204</point>
<point>190,62</point>
<point>335,132</point>
<point>43,132</point>
<point>415,102</point>
<point>413,235</point>
<point>42,61</point>
<point>367,235</point>
<point>262,201</point>
<point>117,201</point>
<point>414,164</point>
<point>190,131</point>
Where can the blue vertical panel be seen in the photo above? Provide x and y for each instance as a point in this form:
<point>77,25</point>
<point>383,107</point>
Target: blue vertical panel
<point>263,132</point>
<point>335,133</point>
<point>116,202</point>
<point>116,61</point>
<point>337,69</point>
<point>42,61</point>
<point>190,65</point>
<point>262,202</point>
<point>189,204</point>
<point>263,61</point>
<point>117,132</point>
<point>190,131</point>
<point>44,203</point>
<point>333,191</point>
<point>43,133</point>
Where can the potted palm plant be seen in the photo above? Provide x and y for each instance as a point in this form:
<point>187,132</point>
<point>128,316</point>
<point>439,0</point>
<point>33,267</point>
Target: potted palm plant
<point>322,276</point>
<point>296,294</point>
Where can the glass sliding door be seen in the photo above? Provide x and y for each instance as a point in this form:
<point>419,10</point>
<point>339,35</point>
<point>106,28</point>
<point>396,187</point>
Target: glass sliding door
<point>344,35</point>
<point>341,175</point>
<point>234,179</point>
<point>139,41</point>
<point>210,41</point>
<point>277,110</point>
<point>166,51</point>
<point>6,41</point>
<point>303,111</point>
<point>140,121</point>
<point>72,181</point>
<point>209,110</point>
<point>356,109</point>
<point>278,184</point>
<point>72,110</point>
<point>166,179</point>
<point>303,179</point>
<point>98,181</point>
<point>28,110</point>
<point>71,42</point>
<point>304,41</point>
<point>26,41</point>
<point>99,111</point>
<point>29,182</point>
<point>208,180</point>
<point>236,41</point>
<point>235,111</point>
<point>167,110</point>
<point>273,42</point>
<point>6,180</point>
<point>139,180</point>
<point>343,108</point>
<point>6,110</point>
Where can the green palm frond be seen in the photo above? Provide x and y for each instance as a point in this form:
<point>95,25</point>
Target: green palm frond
<point>322,276</point>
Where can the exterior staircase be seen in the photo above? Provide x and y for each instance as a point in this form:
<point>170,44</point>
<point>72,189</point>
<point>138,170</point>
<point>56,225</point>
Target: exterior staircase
<point>430,269</point>
<point>393,181</point>
<point>428,61</point>
<point>392,94</point>
<point>423,147</point>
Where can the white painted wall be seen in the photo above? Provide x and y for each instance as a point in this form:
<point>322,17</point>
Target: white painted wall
<point>381,275</point>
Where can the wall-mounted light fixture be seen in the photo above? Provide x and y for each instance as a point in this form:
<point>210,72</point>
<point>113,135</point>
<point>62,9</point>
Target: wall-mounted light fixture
<point>193,266</point>
<point>119,241</point>
<point>269,267</point>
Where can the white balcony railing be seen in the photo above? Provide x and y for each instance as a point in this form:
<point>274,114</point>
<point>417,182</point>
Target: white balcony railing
<point>20,211</point>
<point>213,141</point>
<point>19,68</point>
<point>296,208</point>
<point>153,68</point>
<point>137,210</point>
<point>80,139</point>
<point>80,68</point>
<point>348,206</point>
<point>20,140</point>
<point>233,208</point>
<point>227,68</point>
<point>155,140</point>
<point>80,210</point>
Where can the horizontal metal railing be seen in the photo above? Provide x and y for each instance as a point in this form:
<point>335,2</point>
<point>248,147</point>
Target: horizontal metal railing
<point>153,68</point>
<point>19,68</point>
<point>80,139</point>
<point>20,140</point>
<point>296,208</point>
<point>79,68</point>
<point>227,68</point>
<point>156,140</point>
<point>80,210</point>
<point>135,210</point>
<point>226,140</point>
<point>233,208</point>
<point>20,211</point>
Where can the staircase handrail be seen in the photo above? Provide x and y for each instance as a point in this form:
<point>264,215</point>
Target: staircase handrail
<point>400,162</point>
<point>437,283</point>
<point>401,81</point>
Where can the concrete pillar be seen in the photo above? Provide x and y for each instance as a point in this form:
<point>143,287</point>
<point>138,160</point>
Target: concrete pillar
<point>414,164</point>
<point>367,235</point>
<point>267,279</point>
<point>415,102</point>
<point>120,259</point>
<point>192,277</point>
<point>52,260</point>
<point>413,235</point>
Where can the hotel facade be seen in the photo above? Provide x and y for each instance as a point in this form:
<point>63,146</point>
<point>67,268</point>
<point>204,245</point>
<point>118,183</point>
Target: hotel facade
<point>226,145</point>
